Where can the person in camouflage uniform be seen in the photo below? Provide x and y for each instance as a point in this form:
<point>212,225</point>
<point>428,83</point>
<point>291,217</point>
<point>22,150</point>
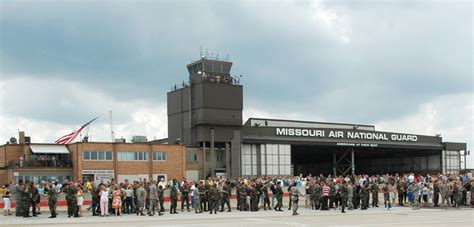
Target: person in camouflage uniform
<point>18,192</point>
<point>173,196</point>
<point>225,195</point>
<point>213,199</point>
<point>161,198</point>
<point>34,194</point>
<point>237,194</point>
<point>26,201</point>
<point>203,196</point>
<point>386,196</point>
<point>401,192</point>
<point>332,196</point>
<point>185,189</point>
<point>71,200</point>
<point>254,198</point>
<point>309,194</point>
<point>455,194</point>
<point>362,195</point>
<point>350,196</point>
<point>294,198</point>
<point>243,197</point>
<point>52,199</point>
<point>279,197</point>
<point>316,194</point>
<point>374,189</point>
<point>416,195</point>
<point>140,195</point>
<point>344,194</point>
<point>266,198</point>
<point>197,199</point>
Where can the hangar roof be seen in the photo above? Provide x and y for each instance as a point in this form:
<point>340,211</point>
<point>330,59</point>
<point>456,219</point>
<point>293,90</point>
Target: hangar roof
<point>265,122</point>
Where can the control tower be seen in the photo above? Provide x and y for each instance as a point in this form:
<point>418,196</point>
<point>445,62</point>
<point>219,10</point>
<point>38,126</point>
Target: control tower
<point>207,110</point>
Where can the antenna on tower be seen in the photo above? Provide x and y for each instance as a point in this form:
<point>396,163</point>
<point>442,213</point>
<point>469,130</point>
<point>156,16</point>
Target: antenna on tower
<point>200,52</point>
<point>217,56</point>
<point>227,57</point>
<point>112,135</point>
<point>207,54</point>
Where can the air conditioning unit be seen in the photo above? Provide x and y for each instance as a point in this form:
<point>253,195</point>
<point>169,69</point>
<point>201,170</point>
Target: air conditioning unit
<point>121,140</point>
<point>139,139</point>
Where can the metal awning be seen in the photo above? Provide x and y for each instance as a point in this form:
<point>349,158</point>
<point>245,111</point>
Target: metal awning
<point>49,149</point>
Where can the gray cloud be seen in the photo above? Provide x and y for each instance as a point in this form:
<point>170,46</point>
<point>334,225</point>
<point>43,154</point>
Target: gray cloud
<point>343,61</point>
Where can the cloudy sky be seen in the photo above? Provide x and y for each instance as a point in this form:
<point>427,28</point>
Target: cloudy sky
<point>405,66</point>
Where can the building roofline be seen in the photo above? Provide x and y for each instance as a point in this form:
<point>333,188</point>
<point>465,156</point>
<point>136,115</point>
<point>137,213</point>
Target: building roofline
<point>138,143</point>
<point>310,122</point>
<point>206,59</point>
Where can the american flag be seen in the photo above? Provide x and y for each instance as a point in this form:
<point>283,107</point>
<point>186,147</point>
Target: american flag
<point>70,137</point>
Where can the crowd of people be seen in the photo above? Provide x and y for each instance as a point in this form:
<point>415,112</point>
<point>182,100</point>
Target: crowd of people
<point>213,195</point>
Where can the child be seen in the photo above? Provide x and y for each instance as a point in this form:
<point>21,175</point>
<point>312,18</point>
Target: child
<point>6,200</point>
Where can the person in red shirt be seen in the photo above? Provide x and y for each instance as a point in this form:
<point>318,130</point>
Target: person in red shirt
<point>325,195</point>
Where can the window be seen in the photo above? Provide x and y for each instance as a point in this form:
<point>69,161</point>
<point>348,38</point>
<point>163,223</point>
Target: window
<point>195,157</point>
<point>249,160</point>
<point>159,156</point>
<point>86,155</point>
<point>132,156</point>
<point>220,157</point>
<point>97,155</point>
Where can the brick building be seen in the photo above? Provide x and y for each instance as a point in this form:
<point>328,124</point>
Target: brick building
<point>98,161</point>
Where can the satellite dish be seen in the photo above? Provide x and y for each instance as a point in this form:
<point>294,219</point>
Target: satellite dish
<point>13,140</point>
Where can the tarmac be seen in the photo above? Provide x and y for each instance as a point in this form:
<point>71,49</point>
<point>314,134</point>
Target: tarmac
<point>397,216</point>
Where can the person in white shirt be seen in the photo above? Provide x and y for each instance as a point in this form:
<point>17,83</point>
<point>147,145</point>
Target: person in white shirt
<point>104,201</point>
<point>162,183</point>
<point>192,194</point>
<point>411,178</point>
